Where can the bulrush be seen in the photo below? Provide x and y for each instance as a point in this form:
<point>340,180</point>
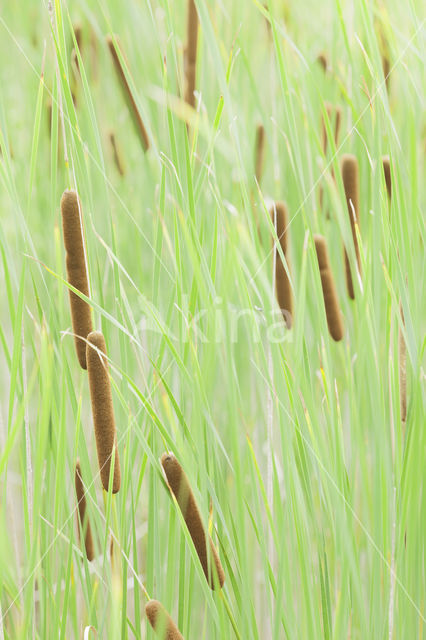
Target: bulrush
<point>191,53</point>
<point>331,304</point>
<point>402,354</point>
<point>161,621</point>
<point>116,152</point>
<point>324,140</point>
<point>127,93</point>
<point>83,519</point>
<point>350,177</point>
<point>179,485</point>
<point>323,61</point>
<point>387,172</point>
<point>259,152</point>
<point>282,282</point>
<point>81,314</point>
<point>102,409</point>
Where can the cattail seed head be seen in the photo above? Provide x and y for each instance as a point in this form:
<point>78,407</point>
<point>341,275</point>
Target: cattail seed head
<point>83,519</point>
<point>337,111</point>
<point>387,172</point>
<point>329,110</point>
<point>338,124</point>
<point>350,177</point>
<point>81,315</point>
<point>323,61</point>
<point>116,152</point>
<point>128,95</point>
<point>282,281</point>
<point>191,53</point>
<point>102,409</point>
<point>331,304</point>
<point>161,621</point>
<point>259,152</point>
<point>386,70</point>
<point>181,489</point>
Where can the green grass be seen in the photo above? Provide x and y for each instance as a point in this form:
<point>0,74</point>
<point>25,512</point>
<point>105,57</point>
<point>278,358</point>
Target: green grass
<point>317,492</point>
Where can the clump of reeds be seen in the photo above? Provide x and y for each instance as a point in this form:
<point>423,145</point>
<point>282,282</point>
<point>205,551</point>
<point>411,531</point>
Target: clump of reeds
<point>350,177</point>
<point>161,622</point>
<point>259,153</point>
<point>191,53</point>
<point>127,93</point>
<point>331,304</point>
<point>402,356</point>
<point>83,518</point>
<point>81,314</point>
<point>102,409</point>
<point>283,290</point>
<point>387,172</point>
<point>116,152</point>
<point>207,553</point>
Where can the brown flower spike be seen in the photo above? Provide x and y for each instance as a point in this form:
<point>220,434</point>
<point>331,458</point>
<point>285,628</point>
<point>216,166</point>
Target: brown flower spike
<point>102,409</point>
<point>83,519</point>
<point>179,485</point>
<point>191,53</point>
<point>331,304</point>
<point>161,621</point>
<point>128,95</point>
<point>387,172</point>
<point>350,177</point>
<point>259,152</point>
<point>282,282</point>
<point>81,314</point>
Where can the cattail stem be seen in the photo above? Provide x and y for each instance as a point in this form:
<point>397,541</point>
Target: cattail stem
<point>388,178</point>
<point>102,409</point>
<point>259,152</point>
<point>350,177</point>
<point>161,622</point>
<point>128,95</point>
<point>83,519</point>
<point>180,487</point>
<point>331,304</point>
<point>76,271</point>
<point>191,53</point>
<point>282,281</point>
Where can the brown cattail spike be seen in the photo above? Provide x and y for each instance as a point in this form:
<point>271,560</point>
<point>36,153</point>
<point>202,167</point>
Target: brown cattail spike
<point>83,519</point>
<point>259,152</point>
<point>324,140</point>
<point>116,152</point>
<point>76,271</point>
<point>338,124</point>
<point>161,621</point>
<point>102,409</point>
<point>128,95</point>
<point>282,281</point>
<point>181,489</point>
<point>329,110</point>
<point>350,177</point>
<point>323,61</point>
<point>402,353</point>
<point>331,304</point>
<point>387,172</point>
<point>191,53</point>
